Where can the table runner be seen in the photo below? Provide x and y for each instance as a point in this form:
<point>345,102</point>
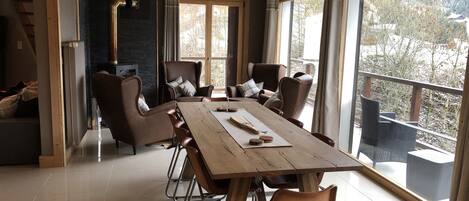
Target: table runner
<point>242,136</point>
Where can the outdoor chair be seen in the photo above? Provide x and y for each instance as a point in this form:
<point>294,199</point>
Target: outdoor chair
<point>384,140</point>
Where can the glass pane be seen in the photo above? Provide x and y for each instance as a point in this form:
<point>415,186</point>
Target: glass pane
<point>218,72</point>
<point>284,32</point>
<point>192,34</point>
<point>299,50</point>
<point>219,44</point>
<point>219,31</point>
<point>422,43</point>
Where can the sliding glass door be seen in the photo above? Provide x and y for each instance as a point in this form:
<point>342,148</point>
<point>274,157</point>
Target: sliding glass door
<point>412,62</point>
<point>300,26</point>
<point>210,32</point>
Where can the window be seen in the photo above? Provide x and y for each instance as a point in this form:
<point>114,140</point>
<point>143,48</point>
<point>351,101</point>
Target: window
<point>299,43</point>
<point>412,61</point>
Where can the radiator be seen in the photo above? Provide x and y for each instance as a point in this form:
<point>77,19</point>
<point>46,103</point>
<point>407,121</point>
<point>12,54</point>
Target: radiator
<point>74,74</point>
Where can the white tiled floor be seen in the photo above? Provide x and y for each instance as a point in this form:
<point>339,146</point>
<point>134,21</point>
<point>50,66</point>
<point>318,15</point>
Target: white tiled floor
<point>99,172</point>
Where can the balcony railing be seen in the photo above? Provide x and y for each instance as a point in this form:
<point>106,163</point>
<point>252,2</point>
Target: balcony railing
<point>415,102</point>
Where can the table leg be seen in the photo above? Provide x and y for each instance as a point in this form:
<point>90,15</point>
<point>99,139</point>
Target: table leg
<point>239,189</point>
<point>308,182</point>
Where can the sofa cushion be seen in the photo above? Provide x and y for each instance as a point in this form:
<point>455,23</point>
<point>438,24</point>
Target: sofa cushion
<point>174,85</point>
<point>8,106</point>
<point>187,89</point>
<point>250,89</point>
<point>27,109</point>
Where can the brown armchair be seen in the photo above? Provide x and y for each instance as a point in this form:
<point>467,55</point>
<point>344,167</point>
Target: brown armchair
<point>117,98</point>
<point>293,93</point>
<point>188,71</point>
<point>270,74</point>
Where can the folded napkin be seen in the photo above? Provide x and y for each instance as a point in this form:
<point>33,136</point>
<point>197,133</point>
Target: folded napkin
<point>244,124</point>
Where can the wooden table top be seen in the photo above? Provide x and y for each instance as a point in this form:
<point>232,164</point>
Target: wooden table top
<point>226,159</point>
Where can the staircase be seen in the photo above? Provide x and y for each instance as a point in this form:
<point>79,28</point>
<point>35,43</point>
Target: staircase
<point>25,10</point>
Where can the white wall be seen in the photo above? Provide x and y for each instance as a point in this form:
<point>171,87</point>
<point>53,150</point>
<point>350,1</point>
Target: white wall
<point>68,20</point>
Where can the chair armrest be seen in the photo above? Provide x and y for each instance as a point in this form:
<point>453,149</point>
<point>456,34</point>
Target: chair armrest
<point>205,91</point>
<point>296,122</point>
<point>266,92</point>
<point>276,110</point>
<point>262,98</point>
<point>391,115</point>
<point>231,91</point>
<point>161,108</point>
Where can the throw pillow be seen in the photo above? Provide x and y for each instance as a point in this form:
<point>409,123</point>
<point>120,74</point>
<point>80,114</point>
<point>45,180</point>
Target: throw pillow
<point>174,85</point>
<point>8,106</point>
<point>274,101</point>
<point>249,89</point>
<point>142,104</point>
<point>260,85</point>
<point>187,89</point>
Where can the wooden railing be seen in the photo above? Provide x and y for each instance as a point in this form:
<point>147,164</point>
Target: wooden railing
<point>415,101</point>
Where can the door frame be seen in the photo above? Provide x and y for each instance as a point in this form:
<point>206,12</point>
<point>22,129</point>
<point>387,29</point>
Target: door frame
<point>208,36</point>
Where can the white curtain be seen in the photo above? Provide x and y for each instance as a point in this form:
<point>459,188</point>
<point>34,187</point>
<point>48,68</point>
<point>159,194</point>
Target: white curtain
<point>326,117</point>
<point>460,183</point>
<point>270,34</point>
<point>171,31</point>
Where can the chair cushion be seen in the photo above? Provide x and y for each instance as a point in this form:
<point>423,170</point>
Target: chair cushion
<point>187,89</point>
<point>142,105</point>
<point>250,89</point>
<point>8,106</point>
<point>274,101</point>
<point>174,85</point>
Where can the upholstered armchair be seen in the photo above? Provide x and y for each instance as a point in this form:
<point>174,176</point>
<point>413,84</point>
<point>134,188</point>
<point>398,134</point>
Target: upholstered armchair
<point>190,71</point>
<point>117,99</point>
<point>270,74</point>
<point>292,95</point>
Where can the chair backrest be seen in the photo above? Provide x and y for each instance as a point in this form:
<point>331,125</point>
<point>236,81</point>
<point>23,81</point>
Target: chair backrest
<point>370,117</point>
<point>183,136</point>
<point>186,69</point>
<point>201,172</point>
<point>270,74</point>
<point>328,194</point>
<point>294,93</point>
<point>117,98</point>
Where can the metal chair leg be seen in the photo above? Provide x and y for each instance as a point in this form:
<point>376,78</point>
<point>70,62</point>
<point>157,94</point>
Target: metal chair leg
<point>179,178</point>
<point>135,149</point>
<point>200,191</point>
<point>192,189</point>
<point>172,168</point>
<point>173,161</point>
<point>117,144</point>
<point>189,190</point>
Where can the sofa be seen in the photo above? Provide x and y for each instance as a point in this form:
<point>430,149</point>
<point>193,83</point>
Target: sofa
<point>19,125</point>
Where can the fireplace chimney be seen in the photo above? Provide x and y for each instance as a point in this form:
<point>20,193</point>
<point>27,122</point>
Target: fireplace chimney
<point>115,4</point>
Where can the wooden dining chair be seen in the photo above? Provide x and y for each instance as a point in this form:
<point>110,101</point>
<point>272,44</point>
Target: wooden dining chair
<point>176,122</point>
<point>182,136</point>
<point>203,179</point>
<point>291,181</point>
<point>328,194</point>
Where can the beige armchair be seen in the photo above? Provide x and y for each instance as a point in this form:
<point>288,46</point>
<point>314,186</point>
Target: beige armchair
<point>117,98</point>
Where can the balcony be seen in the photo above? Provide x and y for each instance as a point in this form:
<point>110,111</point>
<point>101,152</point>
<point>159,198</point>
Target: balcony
<point>427,110</point>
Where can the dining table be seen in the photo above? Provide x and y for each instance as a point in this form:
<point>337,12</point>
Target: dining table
<point>226,159</point>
